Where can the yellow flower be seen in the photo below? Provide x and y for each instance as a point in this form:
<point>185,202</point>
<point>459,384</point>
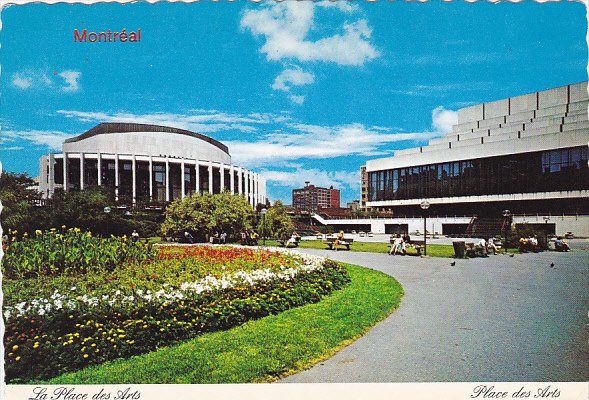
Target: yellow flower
<point>93,345</point>
<point>15,347</point>
<point>85,355</point>
<point>17,358</point>
<point>38,232</point>
<point>63,227</point>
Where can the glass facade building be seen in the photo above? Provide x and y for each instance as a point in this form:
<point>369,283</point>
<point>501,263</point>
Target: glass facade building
<point>542,171</point>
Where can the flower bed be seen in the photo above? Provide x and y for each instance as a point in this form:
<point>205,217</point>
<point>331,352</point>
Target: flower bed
<point>146,305</point>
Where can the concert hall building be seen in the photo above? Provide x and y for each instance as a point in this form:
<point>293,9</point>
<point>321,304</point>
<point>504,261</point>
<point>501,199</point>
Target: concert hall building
<point>526,154</point>
<point>147,163</point>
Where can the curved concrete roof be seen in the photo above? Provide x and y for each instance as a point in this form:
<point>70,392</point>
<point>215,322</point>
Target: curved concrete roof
<point>123,127</point>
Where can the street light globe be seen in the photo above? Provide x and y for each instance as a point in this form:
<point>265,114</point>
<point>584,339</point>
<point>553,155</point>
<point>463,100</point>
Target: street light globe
<point>263,211</point>
<point>424,205</point>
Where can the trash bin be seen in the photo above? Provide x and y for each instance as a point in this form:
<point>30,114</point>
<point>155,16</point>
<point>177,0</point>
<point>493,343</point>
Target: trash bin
<point>459,249</point>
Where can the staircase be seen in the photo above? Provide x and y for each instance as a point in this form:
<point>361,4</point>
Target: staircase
<point>484,227</point>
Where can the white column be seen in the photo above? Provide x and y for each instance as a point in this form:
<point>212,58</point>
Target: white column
<point>197,171</point>
<point>150,178</point>
<point>134,177</point>
<point>247,186</point>
<point>99,167</point>
<point>257,190</point>
<point>222,176</point>
<point>252,189</point>
<point>210,177</point>
<point>65,172</point>
<point>51,177</point>
<point>239,180</point>
<point>232,179</point>
<point>117,177</point>
<point>167,179</point>
<point>81,171</point>
<point>182,188</point>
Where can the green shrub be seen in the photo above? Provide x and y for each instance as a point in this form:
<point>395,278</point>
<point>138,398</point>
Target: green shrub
<point>68,252</point>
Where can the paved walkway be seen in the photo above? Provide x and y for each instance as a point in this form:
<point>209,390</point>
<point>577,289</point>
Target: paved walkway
<point>489,319</point>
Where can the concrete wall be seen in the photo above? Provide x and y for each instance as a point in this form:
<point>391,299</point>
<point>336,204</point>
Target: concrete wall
<point>523,103</point>
<point>578,92</point>
<point>469,114</point>
<point>578,225</point>
<point>497,108</point>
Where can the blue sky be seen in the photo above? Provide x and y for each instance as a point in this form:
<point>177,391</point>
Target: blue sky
<point>298,91</point>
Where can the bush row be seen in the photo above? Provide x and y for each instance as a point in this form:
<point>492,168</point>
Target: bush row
<point>69,252</point>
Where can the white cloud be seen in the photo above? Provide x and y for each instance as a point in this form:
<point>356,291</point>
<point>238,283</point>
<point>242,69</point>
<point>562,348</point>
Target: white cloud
<point>22,82</point>
<point>35,79</point>
<point>342,5</point>
<point>51,139</point>
<point>314,141</point>
<point>203,121</point>
<point>298,177</point>
<point>71,80</point>
<point>442,119</point>
<point>292,77</point>
<point>13,148</point>
<point>286,25</point>
<point>297,99</point>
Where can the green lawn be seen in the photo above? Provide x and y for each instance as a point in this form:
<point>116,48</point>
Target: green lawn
<point>261,350</point>
<point>433,250</point>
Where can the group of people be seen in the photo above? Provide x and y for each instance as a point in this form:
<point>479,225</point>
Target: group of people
<point>561,245</point>
<point>249,237</point>
<point>486,244</point>
<point>218,236</point>
<point>529,244</point>
<point>400,244</point>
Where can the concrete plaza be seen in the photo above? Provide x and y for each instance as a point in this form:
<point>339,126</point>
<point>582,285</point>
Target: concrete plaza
<point>500,318</point>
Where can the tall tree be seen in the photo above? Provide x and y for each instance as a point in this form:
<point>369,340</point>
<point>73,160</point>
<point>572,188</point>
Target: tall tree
<point>18,198</point>
<point>276,222</point>
<point>201,213</point>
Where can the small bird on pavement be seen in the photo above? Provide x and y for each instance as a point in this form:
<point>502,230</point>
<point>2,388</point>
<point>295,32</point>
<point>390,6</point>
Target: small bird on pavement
<point>511,255</point>
<point>551,265</point>
<point>453,263</point>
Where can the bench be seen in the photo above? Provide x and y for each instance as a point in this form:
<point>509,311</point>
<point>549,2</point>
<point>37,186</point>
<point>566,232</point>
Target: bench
<point>412,244</point>
<point>476,251</point>
<point>346,242</point>
<point>286,243</point>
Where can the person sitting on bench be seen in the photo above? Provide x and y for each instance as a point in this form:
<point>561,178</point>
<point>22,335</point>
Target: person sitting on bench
<point>339,239</point>
<point>294,239</point>
<point>398,245</point>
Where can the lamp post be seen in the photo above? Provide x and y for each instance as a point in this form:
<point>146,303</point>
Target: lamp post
<point>107,211</point>
<point>424,206</point>
<point>506,225</point>
<point>263,212</point>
